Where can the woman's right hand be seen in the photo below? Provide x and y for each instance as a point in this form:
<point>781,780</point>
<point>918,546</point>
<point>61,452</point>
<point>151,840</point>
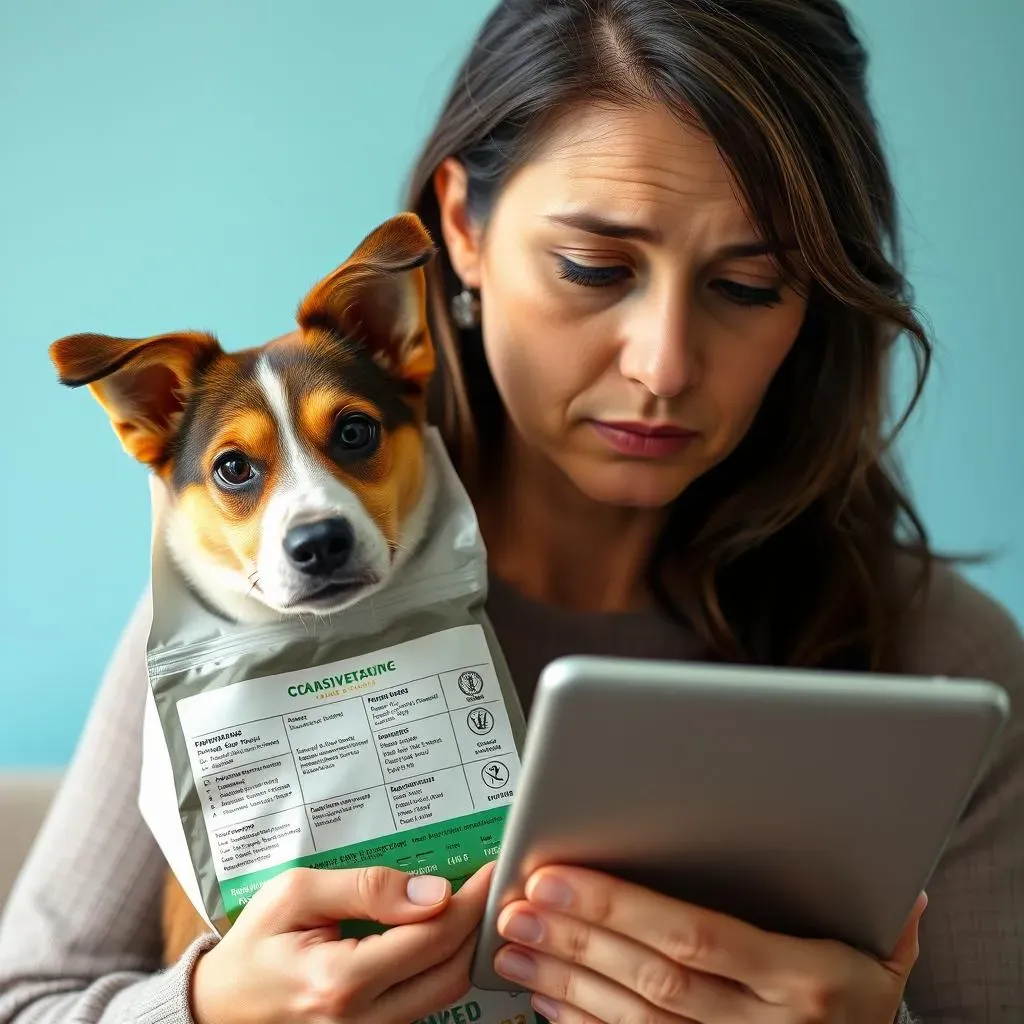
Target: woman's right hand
<point>283,963</point>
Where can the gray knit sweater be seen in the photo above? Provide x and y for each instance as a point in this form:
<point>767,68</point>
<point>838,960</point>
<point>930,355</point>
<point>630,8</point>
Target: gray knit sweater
<point>80,937</point>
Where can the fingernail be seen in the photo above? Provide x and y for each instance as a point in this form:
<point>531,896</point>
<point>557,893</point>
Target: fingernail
<point>545,1007</point>
<point>515,966</point>
<point>551,892</point>
<point>426,890</point>
<point>523,928</point>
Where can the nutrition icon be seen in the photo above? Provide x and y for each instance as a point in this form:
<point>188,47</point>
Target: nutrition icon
<point>494,774</point>
<point>480,721</point>
<point>471,683</point>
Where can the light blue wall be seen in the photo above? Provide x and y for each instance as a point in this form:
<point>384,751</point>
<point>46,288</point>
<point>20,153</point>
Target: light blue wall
<point>201,163</point>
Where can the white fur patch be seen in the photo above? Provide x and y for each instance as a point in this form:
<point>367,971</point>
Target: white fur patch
<point>306,492</point>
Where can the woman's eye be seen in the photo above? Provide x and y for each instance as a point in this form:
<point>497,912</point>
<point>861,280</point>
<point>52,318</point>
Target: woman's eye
<point>747,295</point>
<point>233,470</point>
<point>356,435</point>
<point>590,277</point>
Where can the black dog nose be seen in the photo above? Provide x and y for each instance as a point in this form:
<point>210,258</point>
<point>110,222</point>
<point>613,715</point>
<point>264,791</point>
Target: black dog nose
<point>320,548</point>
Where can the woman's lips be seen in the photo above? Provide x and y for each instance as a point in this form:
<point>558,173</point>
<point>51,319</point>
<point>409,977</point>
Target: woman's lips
<point>644,440</point>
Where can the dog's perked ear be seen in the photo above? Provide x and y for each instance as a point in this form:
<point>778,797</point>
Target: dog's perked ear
<point>143,384</point>
<point>377,297</point>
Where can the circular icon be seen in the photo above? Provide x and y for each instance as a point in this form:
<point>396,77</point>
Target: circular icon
<point>471,683</point>
<point>494,774</point>
<point>480,721</point>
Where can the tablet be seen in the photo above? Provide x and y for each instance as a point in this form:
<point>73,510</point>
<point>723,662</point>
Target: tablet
<point>808,803</point>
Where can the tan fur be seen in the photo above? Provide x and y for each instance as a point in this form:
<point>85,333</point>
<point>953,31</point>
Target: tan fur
<point>180,923</point>
<point>227,536</point>
<point>225,527</point>
<point>408,452</point>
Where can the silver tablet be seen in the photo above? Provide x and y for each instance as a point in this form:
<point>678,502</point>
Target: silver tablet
<point>809,803</point>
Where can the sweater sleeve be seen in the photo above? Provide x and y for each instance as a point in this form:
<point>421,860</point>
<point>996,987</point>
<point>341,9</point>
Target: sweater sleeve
<point>80,935</point>
<point>971,966</point>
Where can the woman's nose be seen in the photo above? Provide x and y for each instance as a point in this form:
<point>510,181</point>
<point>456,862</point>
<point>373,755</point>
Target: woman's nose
<point>658,350</point>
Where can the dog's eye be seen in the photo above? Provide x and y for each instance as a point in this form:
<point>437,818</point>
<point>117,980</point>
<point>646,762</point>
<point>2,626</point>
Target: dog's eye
<point>356,435</point>
<point>233,470</point>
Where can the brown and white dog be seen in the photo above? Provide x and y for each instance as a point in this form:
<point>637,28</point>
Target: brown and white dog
<point>297,472</point>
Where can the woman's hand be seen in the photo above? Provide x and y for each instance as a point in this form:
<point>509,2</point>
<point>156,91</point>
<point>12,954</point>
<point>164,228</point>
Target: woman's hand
<point>593,948</point>
<point>283,963</point>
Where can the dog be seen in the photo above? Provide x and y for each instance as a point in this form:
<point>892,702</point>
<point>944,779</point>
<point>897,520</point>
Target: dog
<point>297,472</point>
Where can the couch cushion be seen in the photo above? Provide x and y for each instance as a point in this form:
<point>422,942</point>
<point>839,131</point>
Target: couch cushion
<point>24,800</point>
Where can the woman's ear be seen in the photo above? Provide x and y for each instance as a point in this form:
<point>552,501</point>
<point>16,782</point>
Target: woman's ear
<point>461,236</point>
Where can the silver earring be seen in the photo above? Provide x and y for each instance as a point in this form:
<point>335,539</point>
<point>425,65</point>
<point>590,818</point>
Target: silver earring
<point>465,309</point>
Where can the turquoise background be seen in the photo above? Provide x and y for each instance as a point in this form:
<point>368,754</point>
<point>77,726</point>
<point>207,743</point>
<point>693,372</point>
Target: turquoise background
<point>201,163</point>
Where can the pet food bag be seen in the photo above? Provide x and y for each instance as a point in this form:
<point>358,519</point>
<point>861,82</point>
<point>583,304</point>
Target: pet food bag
<point>387,734</point>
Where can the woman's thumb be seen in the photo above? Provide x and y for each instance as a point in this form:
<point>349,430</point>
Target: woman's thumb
<point>311,898</point>
<point>904,956</point>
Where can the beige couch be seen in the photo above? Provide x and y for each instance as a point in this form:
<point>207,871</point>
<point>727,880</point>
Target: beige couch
<point>24,799</point>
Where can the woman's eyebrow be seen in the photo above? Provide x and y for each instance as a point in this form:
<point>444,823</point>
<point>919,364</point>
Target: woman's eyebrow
<point>746,250</point>
<point>594,224</point>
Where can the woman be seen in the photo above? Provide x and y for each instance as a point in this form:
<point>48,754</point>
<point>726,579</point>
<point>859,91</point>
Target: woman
<point>666,295</point>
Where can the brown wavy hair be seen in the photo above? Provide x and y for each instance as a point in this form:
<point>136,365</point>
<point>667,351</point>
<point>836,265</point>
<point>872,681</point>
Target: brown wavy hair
<point>802,547</point>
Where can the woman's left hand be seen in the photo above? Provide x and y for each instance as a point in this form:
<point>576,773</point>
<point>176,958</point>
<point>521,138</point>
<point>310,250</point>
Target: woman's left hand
<point>596,949</point>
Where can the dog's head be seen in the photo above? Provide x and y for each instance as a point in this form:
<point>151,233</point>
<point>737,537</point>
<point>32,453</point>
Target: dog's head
<point>297,471</point>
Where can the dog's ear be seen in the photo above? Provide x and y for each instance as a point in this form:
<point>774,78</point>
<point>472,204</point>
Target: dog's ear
<point>142,383</point>
<point>378,297</point>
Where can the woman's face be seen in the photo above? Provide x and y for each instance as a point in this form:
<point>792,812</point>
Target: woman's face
<point>631,317</point>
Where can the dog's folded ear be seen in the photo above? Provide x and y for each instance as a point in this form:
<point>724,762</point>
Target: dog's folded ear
<point>142,383</point>
<point>377,297</point>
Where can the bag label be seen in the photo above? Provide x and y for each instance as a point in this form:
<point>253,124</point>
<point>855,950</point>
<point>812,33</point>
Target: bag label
<point>404,757</point>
